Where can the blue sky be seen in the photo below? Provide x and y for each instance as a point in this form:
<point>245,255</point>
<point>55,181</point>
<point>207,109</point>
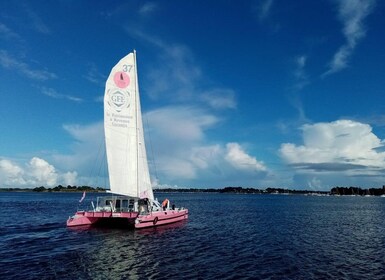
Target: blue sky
<point>234,93</point>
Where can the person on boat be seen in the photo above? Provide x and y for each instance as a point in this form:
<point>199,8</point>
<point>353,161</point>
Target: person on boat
<point>165,204</point>
<point>143,206</point>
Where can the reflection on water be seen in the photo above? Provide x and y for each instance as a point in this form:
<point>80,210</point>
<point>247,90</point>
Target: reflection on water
<point>162,229</point>
<point>121,253</point>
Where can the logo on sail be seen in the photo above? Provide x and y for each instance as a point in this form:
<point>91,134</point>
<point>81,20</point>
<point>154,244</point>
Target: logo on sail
<point>118,99</point>
<point>121,79</point>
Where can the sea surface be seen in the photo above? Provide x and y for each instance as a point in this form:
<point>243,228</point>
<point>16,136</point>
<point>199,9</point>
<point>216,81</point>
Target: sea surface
<point>227,236</point>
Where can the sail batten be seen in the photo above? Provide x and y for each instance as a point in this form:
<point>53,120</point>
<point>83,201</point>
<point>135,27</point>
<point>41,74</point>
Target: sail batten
<point>123,128</point>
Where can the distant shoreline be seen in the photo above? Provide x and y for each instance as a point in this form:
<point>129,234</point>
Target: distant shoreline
<point>74,189</point>
<point>336,191</point>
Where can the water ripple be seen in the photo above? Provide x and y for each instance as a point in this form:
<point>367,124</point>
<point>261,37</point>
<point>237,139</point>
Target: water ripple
<point>226,237</point>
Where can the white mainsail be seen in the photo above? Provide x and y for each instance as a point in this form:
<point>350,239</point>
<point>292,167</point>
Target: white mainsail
<point>123,129</point>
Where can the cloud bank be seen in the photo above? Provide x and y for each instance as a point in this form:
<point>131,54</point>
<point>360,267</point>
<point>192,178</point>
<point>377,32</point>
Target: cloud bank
<point>37,172</point>
<point>345,148</point>
<point>183,157</point>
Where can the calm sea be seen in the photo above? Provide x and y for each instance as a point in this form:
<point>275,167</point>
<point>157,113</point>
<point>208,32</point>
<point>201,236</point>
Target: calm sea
<point>226,237</point>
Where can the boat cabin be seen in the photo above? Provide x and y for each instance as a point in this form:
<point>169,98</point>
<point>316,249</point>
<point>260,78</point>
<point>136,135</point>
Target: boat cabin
<point>125,204</point>
<point>116,204</point>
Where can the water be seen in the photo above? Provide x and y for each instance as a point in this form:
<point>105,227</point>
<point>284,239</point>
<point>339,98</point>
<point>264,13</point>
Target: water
<point>226,237</point>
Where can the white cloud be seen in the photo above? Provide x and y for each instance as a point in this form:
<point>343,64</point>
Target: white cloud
<point>203,156</point>
<point>10,168</point>
<point>95,76</point>
<point>183,157</point>
<point>11,174</point>
<point>264,9</point>
<point>352,14</point>
<point>35,21</point>
<point>300,76</point>
<point>180,123</point>
<point>7,33</point>
<point>301,62</point>
<point>37,172</point>
<point>176,144</point>
<point>83,133</point>
<point>42,172</point>
<point>300,81</point>
<point>343,147</point>
<point>180,78</point>
<point>238,158</point>
<point>315,184</point>
<point>220,98</point>
<point>338,141</point>
<point>87,148</point>
<point>147,8</point>
<point>173,132</point>
<point>69,178</point>
<point>177,168</point>
<point>176,132</point>
<point>177,78</point>
<point>54,94</point>
<point>9,62</point>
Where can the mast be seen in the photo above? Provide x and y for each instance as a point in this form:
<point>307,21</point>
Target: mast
<point>136,122</point>
<point>143,180</point>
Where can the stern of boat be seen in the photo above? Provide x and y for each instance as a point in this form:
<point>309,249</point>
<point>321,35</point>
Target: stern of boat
<point>79,219</point>
<point>158,218</point>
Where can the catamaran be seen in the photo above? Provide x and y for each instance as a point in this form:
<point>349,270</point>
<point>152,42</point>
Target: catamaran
<point>132,200</point>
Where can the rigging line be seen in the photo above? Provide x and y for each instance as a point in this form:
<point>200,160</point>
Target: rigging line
<point>96,170</point>
<point>104,169</point>
<point>151,148</point>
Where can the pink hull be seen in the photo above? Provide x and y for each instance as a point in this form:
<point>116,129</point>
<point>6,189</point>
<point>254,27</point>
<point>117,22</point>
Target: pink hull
<point>155,219</point>
<point>82,218</point>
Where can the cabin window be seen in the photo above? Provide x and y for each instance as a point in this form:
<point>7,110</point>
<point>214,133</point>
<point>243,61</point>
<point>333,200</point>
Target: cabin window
<point>124,203</point>
<point>117,204</point>
<point>132,204</point>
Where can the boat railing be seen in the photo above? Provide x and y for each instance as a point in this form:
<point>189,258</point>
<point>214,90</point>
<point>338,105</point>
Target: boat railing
<point>115,210</point>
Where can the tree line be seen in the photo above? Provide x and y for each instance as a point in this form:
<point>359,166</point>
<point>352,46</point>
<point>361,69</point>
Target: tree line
<point>69,188</point>
<point>242,190</point>
<point>357,191</point>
